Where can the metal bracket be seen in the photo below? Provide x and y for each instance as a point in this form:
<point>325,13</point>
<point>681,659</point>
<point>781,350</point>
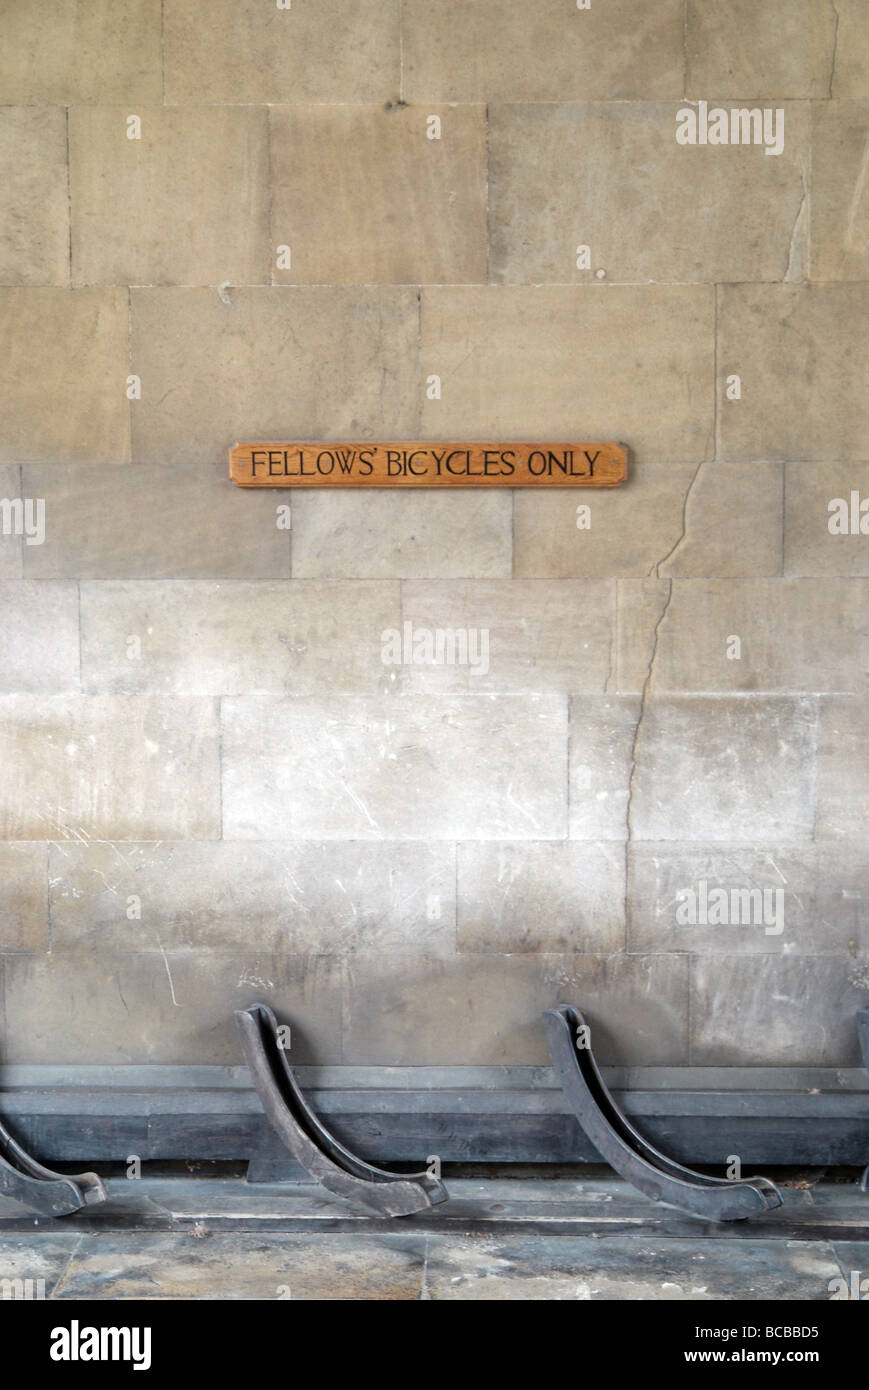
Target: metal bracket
<point>616,1140</point>
<point>310,1143</point>
<point>39,1188</point>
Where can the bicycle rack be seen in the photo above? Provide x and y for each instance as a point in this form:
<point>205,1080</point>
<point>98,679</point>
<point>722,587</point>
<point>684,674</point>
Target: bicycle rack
<point>39,1188</point>
<point>310,1143</point>
<point>632,1156</point>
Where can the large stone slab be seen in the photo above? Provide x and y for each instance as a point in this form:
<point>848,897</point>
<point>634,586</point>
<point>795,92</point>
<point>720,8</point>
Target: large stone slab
<point>777,1010</point>
<point>746,635</point>
<point>496,51</point>
<point>462,767</point>
<point>250,52</point>
<point>81,51</point>
<point>541,897</point>
<point>24,897</point>
<point>840,195</point>
<point>134,1007</point>
<point>532,361</point>
<point>208,638</point>
<point>272,364</point>
<point>122,234</point>
<point>602,733</point>
<point>843,768</point>
<point>229,1266</point>
<point>612,177</point>
<point>811,548</point>
<point>485,1009</point>
<point>541,635</point>
<point>11,528</point>
<point>807,899</point>
<point>102,767</point>
<point>63,393</point>
<point>40,1257</point>
<point>736,768</point>
<point>668,519</point>
<point>402,535</point>
<point>39,637</point>
<point>626,1269</point>
<point>323,899</point>
<point>34,215</point>
<point>794,345</point>
<point>362,195</point>
<point>153,521</point>
<point>782,48</point>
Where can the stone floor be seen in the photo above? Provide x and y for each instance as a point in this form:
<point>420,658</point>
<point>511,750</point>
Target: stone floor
<point>497,1238</point>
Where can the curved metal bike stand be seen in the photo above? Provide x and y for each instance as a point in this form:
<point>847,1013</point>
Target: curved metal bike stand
<point>632,1156</point>
<point>39,1188</point>
<point>310,1143</point>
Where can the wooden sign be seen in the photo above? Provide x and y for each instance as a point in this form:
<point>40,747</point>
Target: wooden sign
<point>429,464</point>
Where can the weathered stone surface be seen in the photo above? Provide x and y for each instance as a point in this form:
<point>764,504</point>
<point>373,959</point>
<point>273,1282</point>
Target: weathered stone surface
<point>24,897</point>
<point>11,526</point>
<point>850,74</point>
<point>37,1256</point>
<point>814,899</point>
<point>794,344</point>
<point>843,768</point>
<point>611,176</point>
<point>754,1010</point>
<point>230,1266</point>
<point>322,899</point>
<point>530,361</point>
<point>101,767</point>
<point>840,193</point>
<point>492,51</point>
<point>810,546</point>
<point>732,524</point>
<point>485,1008</point>
<point>130,1007</point>
<point>273,363</point>
<point>725,768</point>
<point>39,639</point>
<point>132,220</point>
<point>744,635</point>
<point>541,897</point>
<point>153,521</point>
<point>668,519</point>
<point>541,635</point>
<point>782,48</point>
<point>402,535</point>
<point>249,52</point>
<point>625,1269</point>
<point>362,195</point>
<point>81,50</point>
<point>472,767</point>
<point>602,733</point>
<point>208,638</point>
<point>62,395</point>
<point>34,214</point>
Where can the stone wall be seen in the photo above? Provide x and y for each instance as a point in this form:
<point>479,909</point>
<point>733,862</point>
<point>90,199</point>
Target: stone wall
<point>213,789</point>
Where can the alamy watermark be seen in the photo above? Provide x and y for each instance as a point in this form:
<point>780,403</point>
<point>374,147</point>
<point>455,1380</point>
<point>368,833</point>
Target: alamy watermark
<point>23,516</point>
<point>702,906</point>
<point>439,646</point>
<point>741,125</point>
<point>27,1290</point>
